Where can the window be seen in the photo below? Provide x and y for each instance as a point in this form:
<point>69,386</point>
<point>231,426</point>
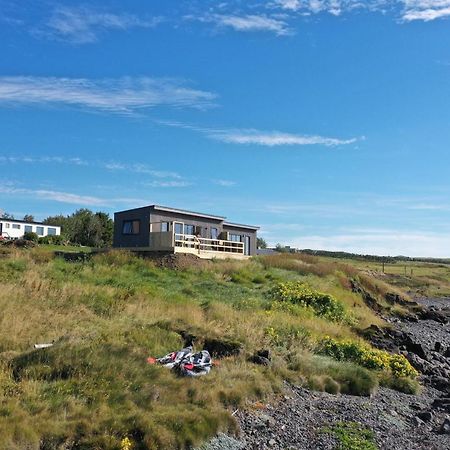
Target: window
<point>178,228</point>
<point>7,225</point>
<point>247,245</point>
<point>51,231</point>
<point>189,229</point>
<point>214,233</point>
<point>28,228</point>
<point>235,237</point>
<point>16,226</point>
<point>131,226</point>
<point>40,231</point>
<point>164,227</point>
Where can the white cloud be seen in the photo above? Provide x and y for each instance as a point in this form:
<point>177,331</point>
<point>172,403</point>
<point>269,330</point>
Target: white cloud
<point>247,22</point>
<point>168,184</point>
<point>123,95</point>
<point>84,25</point>
<point>276,138</point>
<point>140,168</point>
<point>224,183</point>
<point>381,242</point>
<point>245,136</point>
<point>58,196</point>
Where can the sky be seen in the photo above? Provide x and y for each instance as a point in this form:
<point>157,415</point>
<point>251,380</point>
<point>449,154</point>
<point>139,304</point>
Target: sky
<point>325,122</point>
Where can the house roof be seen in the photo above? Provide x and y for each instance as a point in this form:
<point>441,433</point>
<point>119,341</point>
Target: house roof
<point>194,213</point>
<point>184,211</point>
<point>28,223</point>
<point>241,225</point>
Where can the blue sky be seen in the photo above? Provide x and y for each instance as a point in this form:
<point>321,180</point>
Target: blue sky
<point>326,122</point>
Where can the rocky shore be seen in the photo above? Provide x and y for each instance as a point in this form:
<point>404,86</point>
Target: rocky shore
<point>303,419</point>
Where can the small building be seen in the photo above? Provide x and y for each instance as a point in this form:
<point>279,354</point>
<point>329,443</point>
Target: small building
<point>157,228</point>
<point>15,229</point>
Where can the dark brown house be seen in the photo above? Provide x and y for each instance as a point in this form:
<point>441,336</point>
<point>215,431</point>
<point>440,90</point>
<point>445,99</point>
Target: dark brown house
<point>162,229</point>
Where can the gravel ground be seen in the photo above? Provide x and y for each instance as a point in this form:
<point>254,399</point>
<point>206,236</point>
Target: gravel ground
<point>301,419</point>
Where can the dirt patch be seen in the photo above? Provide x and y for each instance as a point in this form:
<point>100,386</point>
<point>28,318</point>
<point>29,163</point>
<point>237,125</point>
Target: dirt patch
<point>177,261</point>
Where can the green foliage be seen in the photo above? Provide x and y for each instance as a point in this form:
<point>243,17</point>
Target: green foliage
<point>52,240</point>
<point>28,218</point>
<point>83,227</point>
<point>325,374</point>
<point>31,236</point>
<point>261,243</point>
<point>352,436</point>
<point>368,357</point>
<point>298,293</point>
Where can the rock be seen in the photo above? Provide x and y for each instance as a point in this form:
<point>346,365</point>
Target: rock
<point>418,349</point>
<point>445,427</point>
<point>261,357</point>
<point>221,348</point>
<point>272,443</point>
<point>441,383</point>
<point>426,416</point>
<point>417,421</point>
<point>442,403</point>
<point>437,346</point>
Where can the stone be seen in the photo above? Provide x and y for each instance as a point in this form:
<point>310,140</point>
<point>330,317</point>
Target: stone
<point>442,403</point>
<point>445,427</point>
<point>426,416</point>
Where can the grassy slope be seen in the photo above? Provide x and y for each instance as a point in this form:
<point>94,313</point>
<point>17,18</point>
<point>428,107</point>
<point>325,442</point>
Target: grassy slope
<point>106,316</point>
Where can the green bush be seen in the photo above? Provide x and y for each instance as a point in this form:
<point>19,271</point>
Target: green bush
<point>30,236</point>
<point>368,357</point>
<point>322,304</point>
<point>54,240</point>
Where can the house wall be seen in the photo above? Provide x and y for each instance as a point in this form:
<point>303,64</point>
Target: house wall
<point>243,232</point>
<point>132,240</point>
<point>15,229</point>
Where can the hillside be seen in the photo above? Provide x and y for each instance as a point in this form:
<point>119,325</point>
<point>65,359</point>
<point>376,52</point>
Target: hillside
<point>105,315</point>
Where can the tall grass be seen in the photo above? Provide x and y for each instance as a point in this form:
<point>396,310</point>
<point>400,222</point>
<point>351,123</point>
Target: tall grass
<point>93,388</point>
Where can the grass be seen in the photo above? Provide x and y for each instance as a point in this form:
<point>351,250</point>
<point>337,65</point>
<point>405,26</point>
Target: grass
<point>106,315</point>
<point>352,436</point>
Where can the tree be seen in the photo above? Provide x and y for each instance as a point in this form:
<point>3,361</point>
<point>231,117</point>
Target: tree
<point>107,228</point>
<point>85,228</point>
<point>261,243</point>
<point>5,215</point>
<point>28,218</point>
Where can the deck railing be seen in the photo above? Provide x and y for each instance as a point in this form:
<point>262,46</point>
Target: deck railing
<point>199,244</point>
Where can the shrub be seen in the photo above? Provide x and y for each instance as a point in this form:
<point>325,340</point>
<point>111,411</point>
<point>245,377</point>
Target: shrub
<point>367,357</point>
<point>298,293</point>
<point>54,240</point>
<point>30,236</point>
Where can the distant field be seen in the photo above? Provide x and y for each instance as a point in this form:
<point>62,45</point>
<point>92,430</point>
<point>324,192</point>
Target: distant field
<point>420,278</point>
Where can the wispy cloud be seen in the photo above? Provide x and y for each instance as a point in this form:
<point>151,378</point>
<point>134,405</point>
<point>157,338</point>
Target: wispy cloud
<point>276,138</point>
<point>425,10</point>
<point>225,183</point>
<point>168,184</point>
<point>247,136</point>
<point>247,23</point>
<point>58,196</point>
<point>84,25</point>
<point>140,168</point>
<point>43,160</point>
<point>123,95</point>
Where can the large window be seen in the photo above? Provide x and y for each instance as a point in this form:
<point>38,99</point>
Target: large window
<point>51,231</point>
<point>131,226</point>
<point>6,225</point>
<point>235,237</point>
<point>214,233</point>
<point>178,228</point>
<point>164,227</point>
<point>16,226</point>
<point>40,231</point>
<point>189,229</point>
<point>28,228</point>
